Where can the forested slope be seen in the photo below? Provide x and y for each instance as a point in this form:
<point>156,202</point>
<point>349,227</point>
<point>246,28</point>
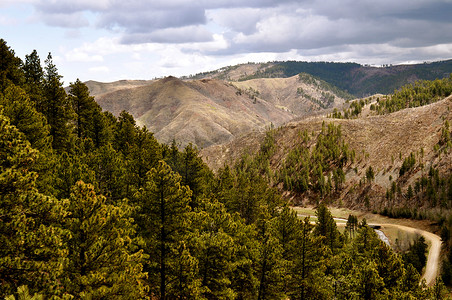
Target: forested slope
<point>93,207</point>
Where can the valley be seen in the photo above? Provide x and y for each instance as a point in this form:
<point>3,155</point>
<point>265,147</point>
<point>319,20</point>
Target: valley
<point>204,188</point>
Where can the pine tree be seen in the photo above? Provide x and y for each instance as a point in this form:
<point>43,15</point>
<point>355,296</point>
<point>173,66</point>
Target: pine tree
<point>326,227</point>
<point>304,271</point>
<point>268,264</point>
<point>56,108</point>
<point>192,173</point>
<point>213,243</point>
<point>125,133</point>
<point>144,155</point>
<point>34,79</point>
<point>163,216</point>
<point>10,67</point>
<point>103,261</point>
<point>87,111</point>
<point>31,251</point>
<point>23,115</point>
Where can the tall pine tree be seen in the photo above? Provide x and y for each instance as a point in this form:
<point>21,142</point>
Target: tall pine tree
<point>56,108</point>
<point>163,218</point>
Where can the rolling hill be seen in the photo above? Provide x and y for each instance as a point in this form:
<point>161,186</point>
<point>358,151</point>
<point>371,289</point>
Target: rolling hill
<point>382,142</point>
<point>206,112</point>
<point>202,112</point>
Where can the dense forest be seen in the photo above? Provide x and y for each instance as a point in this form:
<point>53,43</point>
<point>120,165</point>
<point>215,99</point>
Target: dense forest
<point>92,206</point>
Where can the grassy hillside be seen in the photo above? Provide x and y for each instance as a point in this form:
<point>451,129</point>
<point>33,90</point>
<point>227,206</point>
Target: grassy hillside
<point>201,112</point>
<point>206,112</point>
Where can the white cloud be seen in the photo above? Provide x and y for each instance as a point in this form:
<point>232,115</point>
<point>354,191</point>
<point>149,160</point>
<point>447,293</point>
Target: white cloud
<point>141,38</point>
<point>99,69</point>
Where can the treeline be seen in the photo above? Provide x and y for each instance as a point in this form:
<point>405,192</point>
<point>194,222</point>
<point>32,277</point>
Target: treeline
<point>317,164</point>
<point>357,79</point>
<point>421,93</point>
<point>93,207</point>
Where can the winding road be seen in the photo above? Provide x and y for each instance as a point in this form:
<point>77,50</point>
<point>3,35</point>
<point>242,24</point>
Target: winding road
<point>433,258</point>
<point>432,267</point>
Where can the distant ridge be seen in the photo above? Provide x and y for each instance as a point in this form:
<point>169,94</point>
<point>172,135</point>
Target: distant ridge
<point>356,79</point>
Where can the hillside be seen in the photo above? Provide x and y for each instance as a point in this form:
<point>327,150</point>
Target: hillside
<point>354,78</point>
<point>301,94</point>
<point>382,142</point>
<point>201,112</point>
<point>206,112</point>
<point>97,88</point>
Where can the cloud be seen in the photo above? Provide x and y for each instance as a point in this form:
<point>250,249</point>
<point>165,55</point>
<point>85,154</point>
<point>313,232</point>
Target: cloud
<point>99,69</point>
<point>188,34</point>
<point>206,32</point>
<point>75,20</point>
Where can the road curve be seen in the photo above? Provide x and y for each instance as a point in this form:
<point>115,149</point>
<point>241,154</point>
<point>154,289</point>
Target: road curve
<point>432,267</point>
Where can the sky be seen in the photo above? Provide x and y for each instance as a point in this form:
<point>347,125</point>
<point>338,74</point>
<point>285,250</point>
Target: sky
<point>108,40</point>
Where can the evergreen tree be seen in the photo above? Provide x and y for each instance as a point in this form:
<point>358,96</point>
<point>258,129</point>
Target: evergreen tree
<point>125,133</point>
<point>214,247</point>
<point>23,115</point>
<point>34,79</point>
<point>10,67</point>
<point>163,216</point>
<point>109,170</point>
<point>31,251</point>
<point>144,155</point>
<point>268,264</point>
<point>87,111</point>
<point>326,227</point>
<point>304,272</point>
<point>103,263</point>
<point>192,173</point>
<point>56,108</point>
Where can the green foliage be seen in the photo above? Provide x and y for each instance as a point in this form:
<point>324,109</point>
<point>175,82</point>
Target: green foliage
<point>408,163</point>
<point>370,175</point>
<point>24,294</point>
<point>326,228</point>
<point>162,217</point>
<point>102,260</point>
<point>307,165</point>
<point>31,251</point>
<point>22,114</point>
<point>185,233</point>
<point>88,119</point>
<point>417,254</point>
<point>56,108</point>
<point>10,72</point>
<point>417,94</point>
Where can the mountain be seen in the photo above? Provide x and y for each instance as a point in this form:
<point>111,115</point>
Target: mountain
<point>97,88</point>
<point>354,78</point>
<point>202,112</point>
<point>382,142</point>
<point>206,112</point>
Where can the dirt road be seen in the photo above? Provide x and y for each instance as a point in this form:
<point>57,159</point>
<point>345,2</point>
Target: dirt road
<point>431,269</point>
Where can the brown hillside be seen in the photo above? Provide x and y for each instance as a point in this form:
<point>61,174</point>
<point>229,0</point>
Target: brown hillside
<point>203,112</point>
<point>97,88</point>
<point>291,94</point>
<point>379,141</point>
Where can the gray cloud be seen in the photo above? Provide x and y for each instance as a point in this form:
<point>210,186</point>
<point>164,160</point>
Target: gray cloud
<point>189,34</point>
<point>265,25</point>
